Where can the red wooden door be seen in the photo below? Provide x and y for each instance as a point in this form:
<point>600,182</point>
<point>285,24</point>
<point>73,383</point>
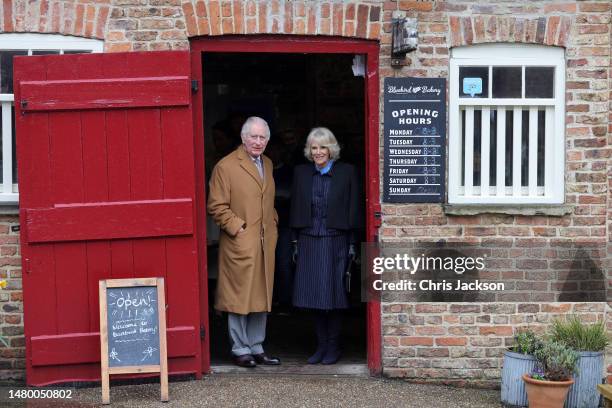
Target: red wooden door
<point>107,190</point>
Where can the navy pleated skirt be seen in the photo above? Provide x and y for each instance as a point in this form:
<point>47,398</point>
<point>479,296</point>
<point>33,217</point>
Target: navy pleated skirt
<point>319,274</point>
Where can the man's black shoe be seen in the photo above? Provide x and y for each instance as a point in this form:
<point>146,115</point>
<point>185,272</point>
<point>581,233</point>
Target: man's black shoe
<point>246,360</point>
<point>265,360</point>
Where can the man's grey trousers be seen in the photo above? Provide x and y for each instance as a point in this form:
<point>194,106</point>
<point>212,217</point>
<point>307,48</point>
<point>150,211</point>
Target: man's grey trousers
<point>247,332</point>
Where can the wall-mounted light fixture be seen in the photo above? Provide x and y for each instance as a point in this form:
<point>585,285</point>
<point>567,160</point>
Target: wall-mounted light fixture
<point>405,37</point>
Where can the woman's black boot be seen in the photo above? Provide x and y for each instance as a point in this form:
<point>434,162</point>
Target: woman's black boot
<point>321,330</point>
<point>334,325</point>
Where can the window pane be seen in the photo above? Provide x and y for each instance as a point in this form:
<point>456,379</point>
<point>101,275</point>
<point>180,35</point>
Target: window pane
<point>77,52</point>
<point>473,74</point>
<point>477,145</point>
<point>493,148</point>
<point>507,82</point>
<point>525,149</point>
<point>6,70</point>
<point>45,52</point>
<point>509,150</point>
<point>539,82</point>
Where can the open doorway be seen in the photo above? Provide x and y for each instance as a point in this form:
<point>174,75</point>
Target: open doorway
<point>293,93</point>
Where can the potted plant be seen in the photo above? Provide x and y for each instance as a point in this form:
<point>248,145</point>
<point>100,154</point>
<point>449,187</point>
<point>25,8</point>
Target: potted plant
<point>548,385</point>
<point>590,340</point>
<point>518,360</point>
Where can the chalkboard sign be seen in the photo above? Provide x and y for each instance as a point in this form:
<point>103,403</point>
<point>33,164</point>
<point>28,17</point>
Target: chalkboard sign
<point>415,140</point>
<point>133,330</point>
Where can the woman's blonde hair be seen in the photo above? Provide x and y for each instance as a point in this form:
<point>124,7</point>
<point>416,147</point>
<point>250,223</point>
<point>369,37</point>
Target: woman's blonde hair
<point>324,137</point>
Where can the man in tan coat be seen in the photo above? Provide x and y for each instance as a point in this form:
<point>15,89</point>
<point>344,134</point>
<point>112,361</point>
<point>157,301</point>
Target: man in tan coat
<point>241,201</point>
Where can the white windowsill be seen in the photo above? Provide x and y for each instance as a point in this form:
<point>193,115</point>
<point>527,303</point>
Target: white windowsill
<point>552,210</point>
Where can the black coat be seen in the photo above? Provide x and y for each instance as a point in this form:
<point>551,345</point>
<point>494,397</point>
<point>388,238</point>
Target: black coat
<point>343,204</point>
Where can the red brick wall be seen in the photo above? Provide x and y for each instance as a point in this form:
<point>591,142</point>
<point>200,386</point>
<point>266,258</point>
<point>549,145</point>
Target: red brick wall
<point>463,343</point>
<point>70,17</point>
<point>434,341</point>
<point>12,359</point>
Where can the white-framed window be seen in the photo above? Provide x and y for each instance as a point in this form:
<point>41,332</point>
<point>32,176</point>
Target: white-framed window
<point>11,45</point>
<point>506,124</point>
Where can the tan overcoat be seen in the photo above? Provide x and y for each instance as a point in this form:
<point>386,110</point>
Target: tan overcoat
<point>238,197</point>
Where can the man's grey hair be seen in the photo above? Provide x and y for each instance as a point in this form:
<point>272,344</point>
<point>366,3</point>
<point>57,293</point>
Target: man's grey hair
<point>246,128</point>
<point>323,137</point>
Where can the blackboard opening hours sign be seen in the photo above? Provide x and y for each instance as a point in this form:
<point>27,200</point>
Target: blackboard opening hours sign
<point>133,330</point>
<point>414,140</point>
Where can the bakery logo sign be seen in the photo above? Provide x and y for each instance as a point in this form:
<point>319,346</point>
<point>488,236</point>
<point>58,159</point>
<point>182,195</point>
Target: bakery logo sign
<point>392,89</point>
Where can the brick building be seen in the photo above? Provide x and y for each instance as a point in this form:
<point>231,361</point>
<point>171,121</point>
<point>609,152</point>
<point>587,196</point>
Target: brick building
<point>568,203</point>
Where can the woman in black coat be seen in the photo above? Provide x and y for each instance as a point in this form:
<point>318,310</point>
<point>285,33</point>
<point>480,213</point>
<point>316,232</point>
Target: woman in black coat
<point>324,217</point>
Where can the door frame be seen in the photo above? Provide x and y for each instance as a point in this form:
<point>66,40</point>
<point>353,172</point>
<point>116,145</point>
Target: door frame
<point>291,44</point>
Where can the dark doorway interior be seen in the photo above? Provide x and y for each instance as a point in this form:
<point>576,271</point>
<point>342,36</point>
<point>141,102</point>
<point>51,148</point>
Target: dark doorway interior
<point>293,93</point>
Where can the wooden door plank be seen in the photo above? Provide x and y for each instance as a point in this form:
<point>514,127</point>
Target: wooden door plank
<point>177,152</point>
<point>147,183</point>
<point>33,167</point>
<point>82,94</point>
<point>66,158</point>
<point>149,63</point>
<point>200,207</point>
<point>95,185</point>
<point>117,139</point>
<point>146,178</point>
<point>177,158</point>
<point>72,307</point>
<point>38,262</point>
<point>107,220</point>
<point>60,349</point>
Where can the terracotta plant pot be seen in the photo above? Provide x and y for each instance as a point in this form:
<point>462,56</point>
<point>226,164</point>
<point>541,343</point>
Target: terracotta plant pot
<point>546,394</point>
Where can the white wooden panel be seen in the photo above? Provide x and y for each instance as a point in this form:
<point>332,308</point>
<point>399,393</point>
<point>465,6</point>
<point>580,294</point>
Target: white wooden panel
<point>516,150</point>
<point>485,148</point>
<point>558,160</point>
<point>7,148</point>
<point>523,82</point>
<point>501,151</point>
<point>508,53</point>
<point>549,133</point>
<point>469,151</point>
<point>24,41</point>
<point>533,151</point>
<point>454,137</point>
<point>508,101</point>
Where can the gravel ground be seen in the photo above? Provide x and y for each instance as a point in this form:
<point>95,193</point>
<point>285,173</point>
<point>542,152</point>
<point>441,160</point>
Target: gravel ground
<point>232,390</point>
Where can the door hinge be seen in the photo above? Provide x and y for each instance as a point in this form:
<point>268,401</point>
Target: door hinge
<point>24,105</point>
<point>194,85</point>
<point>16,228</point>
<point>202,333</point>
<point>378,215</point>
